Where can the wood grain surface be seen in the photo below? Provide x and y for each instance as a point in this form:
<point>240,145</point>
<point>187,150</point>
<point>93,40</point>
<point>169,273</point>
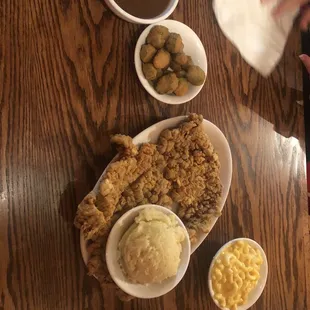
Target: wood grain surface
<point>67,83</point>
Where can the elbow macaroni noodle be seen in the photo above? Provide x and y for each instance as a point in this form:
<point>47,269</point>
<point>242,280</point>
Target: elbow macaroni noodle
<point>235,273</point>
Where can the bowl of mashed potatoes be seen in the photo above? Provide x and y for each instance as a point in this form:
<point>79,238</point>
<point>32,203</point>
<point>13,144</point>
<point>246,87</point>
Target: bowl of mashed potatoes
<point>148,251</point>
<point>238,274</point>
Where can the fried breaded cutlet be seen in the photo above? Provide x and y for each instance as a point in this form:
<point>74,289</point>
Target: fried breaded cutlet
<point>193,168</point>
<point>181,168</point>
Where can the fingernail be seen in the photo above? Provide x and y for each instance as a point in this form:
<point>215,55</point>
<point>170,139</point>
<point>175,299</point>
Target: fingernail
<point>302,56</point>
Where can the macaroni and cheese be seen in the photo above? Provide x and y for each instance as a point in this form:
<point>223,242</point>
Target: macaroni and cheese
<point>235,273</point>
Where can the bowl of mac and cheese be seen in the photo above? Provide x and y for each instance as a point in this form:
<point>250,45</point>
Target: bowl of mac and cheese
<point>238,274</point>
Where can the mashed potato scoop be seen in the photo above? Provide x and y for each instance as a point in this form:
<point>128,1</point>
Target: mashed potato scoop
<point>150,249</point>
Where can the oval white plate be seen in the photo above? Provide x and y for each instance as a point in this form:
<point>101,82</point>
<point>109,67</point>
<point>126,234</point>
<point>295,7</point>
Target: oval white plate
<point>112,258</point>
<point>192,47</point>
<point>220,144</point>
<point>257,291</point>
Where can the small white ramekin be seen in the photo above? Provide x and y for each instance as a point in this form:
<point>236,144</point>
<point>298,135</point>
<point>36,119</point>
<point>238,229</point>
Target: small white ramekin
<point>116,9</point>
<point>258,289</point>
<point>112,257</point>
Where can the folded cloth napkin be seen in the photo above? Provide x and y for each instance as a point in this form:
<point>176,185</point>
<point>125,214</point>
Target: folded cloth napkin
<point>250,26</point>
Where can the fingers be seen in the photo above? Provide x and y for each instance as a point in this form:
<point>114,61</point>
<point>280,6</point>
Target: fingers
<point>288,5</point>
<point>306,61</point>
<point>305,19</point>
<point>285,5</point>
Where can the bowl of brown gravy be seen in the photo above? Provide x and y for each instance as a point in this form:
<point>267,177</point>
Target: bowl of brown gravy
<point>142,11</point>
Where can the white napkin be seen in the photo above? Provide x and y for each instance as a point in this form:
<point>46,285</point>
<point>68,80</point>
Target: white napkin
<point>250,26</point>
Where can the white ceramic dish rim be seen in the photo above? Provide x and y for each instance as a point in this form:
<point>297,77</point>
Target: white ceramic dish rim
<point>169,99</point>
<point>171,123</point>
<point>172,5</point>
<point>258,290</point>
<point>138,290</point>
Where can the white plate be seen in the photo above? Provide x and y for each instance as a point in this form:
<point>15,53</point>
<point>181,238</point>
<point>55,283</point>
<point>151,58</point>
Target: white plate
<point>258,289</point>
<point>220,144</point>
<point>112,258</point>
<point>192,47</point>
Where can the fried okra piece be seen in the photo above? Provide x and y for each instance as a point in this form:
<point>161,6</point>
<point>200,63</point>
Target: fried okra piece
<point>160,73</point>
<point>195,75</point>
<point>182,88</point>
<point>147,52</point>
<point>180,58</point>
<point>167,84</point>
<point>161,59</point>
<point>149,71</point>
<point>175,66</point>
<point>188,63</point>
<point>157,36</point>
<point>181,74</point>
<point>174,43</point>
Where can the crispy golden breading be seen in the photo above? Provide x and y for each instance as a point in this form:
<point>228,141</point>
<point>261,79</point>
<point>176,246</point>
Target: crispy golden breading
<point>150,187</point>
<point>182,167</point>
<point>194,170</point>
<point>124,146</point>
<point>89,219</point>
<point>120,175</point>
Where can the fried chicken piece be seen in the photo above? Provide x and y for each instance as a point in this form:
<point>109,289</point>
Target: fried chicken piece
<point>89,219</point>
<point>151,187</point>
<point>119,175</point>
<point>124,145</point>
<point>182,167</point>
<point>193,169</point>
<point>95,212</point>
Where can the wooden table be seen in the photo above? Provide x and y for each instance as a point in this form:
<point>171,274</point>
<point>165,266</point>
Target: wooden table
<point>68,82</point>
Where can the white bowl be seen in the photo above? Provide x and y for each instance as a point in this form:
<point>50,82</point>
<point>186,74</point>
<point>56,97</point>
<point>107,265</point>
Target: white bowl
<point>112,256</point>
<point>258,289</point>
<point>116,9</point>
<point>192,47</point>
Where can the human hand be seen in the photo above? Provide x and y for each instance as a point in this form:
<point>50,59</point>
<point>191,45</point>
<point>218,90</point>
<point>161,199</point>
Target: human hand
<point>287,5</point>
<point>306,61</point>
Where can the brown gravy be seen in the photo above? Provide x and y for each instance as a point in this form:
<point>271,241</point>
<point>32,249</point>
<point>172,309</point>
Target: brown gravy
<point>143,8</point>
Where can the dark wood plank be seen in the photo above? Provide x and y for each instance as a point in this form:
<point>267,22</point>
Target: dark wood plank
<point>67,82</point>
